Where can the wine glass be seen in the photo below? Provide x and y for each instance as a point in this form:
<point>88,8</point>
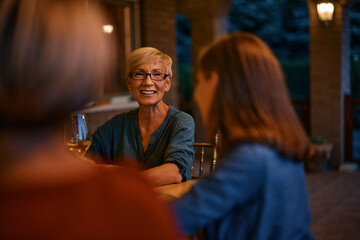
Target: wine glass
<point>77,136</point>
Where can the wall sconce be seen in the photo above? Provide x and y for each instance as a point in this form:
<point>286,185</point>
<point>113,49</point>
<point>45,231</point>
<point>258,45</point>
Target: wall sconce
<point>108,28</point>
<point>325,12</point>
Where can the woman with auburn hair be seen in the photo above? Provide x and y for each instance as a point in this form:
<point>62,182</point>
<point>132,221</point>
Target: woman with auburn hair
<point>54,55</point>
<point>258,190</point>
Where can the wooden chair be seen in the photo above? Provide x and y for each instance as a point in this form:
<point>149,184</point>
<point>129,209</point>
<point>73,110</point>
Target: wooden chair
<point>205,158</point>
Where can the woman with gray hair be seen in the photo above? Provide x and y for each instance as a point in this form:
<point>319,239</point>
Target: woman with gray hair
<point>159,136</point>
<point>53,55</point>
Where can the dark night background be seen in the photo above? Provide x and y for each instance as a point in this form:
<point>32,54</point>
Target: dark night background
<point>284,26</point>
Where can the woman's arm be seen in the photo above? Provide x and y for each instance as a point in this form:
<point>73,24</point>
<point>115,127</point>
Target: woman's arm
<point>101,144</point>
<point>180,149</point>
<point>235,181</point>
<point>167,173</point>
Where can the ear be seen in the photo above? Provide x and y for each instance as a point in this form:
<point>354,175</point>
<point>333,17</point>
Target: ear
<point>168,84</point>
<point>128,83</point>
<point>214,79</point>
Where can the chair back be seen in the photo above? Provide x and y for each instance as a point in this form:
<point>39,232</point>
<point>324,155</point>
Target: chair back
<point>205,158</point>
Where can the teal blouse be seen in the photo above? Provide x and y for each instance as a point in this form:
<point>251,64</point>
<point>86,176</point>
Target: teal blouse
<point>172,142</point>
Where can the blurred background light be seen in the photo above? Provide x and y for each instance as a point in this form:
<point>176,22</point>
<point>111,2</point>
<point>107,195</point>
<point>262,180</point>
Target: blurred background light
<point>108,28</point>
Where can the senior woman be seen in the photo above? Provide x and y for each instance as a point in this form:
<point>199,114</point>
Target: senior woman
<point>53,56</point>
<point>159,136</point>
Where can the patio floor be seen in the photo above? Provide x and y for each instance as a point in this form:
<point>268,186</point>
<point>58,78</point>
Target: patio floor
<point>335,204</point>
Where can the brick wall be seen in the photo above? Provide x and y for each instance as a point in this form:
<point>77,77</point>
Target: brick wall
<point>207,19</point>
<point>207,23</point>
<point>158,29</point>
<point>329,77</point>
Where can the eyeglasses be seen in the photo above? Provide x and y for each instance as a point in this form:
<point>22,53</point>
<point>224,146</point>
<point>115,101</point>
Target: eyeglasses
<point>157,76</point>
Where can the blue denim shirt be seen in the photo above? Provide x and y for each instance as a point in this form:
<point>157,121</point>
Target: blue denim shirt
<point>254,193</point>
<point>172,142</point>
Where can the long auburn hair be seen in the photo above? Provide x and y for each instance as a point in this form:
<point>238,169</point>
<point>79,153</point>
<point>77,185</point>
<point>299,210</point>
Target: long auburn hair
<point>251,102</point>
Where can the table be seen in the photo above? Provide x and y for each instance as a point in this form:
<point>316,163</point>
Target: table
<point>176,190</point>
<point>171,192</point>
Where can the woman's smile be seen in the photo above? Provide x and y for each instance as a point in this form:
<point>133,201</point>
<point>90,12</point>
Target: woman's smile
<point>147,92</point>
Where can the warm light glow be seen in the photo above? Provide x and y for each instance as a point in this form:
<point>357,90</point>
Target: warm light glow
<point>325,12</point>
<point>108,28</point>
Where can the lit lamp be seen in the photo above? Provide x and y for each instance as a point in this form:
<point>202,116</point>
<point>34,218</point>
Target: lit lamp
<point>325,12</point>
<point>108,28</point>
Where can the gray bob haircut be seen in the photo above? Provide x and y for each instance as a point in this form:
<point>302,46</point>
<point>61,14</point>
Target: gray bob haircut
<point>54,58</point>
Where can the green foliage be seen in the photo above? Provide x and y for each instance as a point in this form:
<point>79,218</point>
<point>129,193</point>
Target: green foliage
<point>185,84</point>
<point>262,18</point>
<point>283,25</point>
<point>355,78</point>
<point>355,31</point>
<point>355,89</point>
<point>183,39</point>
<point>297,77</point>
<point>357,117</point>
<point>319,140</point>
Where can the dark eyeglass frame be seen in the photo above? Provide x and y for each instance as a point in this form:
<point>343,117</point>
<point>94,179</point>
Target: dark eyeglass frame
<point>149,74</point>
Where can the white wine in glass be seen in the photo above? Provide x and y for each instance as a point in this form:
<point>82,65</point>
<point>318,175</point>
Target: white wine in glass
<point>77,136</point>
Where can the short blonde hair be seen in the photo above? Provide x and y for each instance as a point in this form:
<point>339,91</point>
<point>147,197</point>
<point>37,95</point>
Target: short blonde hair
<point>54,55</point>
<point>147,55</point>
